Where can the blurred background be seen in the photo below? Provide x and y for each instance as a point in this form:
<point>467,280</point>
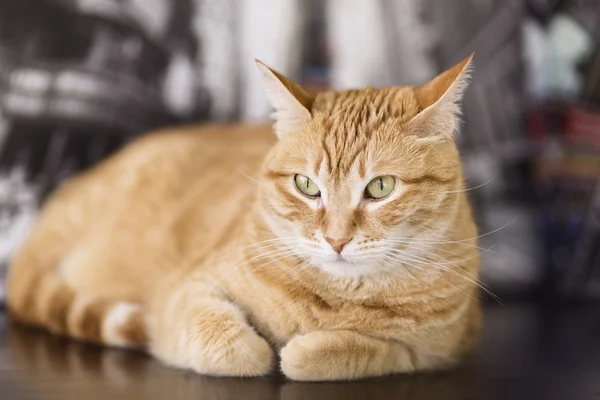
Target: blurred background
<point>80,78</point>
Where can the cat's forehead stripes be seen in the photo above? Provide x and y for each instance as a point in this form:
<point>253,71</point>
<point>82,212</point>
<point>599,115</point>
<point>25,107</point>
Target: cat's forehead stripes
<point>369,107</point>
<point>348,120</point>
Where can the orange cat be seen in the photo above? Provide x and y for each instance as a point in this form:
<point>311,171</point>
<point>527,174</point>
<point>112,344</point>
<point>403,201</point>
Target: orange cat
<point>347,246</point>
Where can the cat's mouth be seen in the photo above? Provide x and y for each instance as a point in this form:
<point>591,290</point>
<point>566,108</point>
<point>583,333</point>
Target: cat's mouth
<point>341,258</point>
<point>341,266</point>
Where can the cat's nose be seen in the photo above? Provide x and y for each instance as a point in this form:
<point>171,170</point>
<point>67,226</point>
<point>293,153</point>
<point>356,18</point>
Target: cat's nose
<point>338,244</point>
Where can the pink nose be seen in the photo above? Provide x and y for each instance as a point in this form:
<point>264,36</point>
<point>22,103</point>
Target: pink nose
<point>338,244</point>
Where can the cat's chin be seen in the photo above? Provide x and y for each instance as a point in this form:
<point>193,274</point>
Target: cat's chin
<point>343,268</point>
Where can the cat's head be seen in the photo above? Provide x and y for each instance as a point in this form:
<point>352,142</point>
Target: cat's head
<point>361,178</point>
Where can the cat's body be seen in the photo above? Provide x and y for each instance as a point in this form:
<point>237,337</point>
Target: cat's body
<point>192,243</point>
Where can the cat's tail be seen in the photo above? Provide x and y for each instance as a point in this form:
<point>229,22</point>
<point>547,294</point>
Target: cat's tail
<point>39,296</point>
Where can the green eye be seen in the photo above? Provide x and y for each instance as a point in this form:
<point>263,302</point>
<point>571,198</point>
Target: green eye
<point>307,186</point>
<point>380,187</point>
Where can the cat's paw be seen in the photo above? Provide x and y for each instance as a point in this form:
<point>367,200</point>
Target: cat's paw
<point>223,353</point>
<point>317,356</point>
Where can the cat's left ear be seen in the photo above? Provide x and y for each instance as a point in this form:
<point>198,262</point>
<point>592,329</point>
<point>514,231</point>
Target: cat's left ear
<point>291,102</point>
<point>439,101</point>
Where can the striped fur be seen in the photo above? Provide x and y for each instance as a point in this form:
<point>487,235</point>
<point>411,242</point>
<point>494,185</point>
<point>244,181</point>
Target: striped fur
<point>195,244</point>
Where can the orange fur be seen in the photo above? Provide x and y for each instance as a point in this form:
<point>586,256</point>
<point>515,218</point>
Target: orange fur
<point>195,244</point>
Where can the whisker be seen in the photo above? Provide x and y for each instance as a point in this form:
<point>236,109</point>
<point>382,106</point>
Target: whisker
<point>271,257</point>
<point>423,260</point>
<point>260,245</point>
<point>446,261</point>
<point>426,261</point>
<point>235,266</point>
<point>249,177</point>
<point>447,282</point>
<point>458,241</point>
<point>472,188</point>
<point>417,241</point>
<point>279,257</point>
<point>456,273</point>
<point>439,277</point>
<point>394,267</point>
<point>284,270</point>
<point>483,250</point>
<point>455,263</point>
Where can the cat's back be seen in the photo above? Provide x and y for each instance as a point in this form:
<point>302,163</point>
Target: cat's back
<point>177,188</point>
<point>193,185</point>
<point>117,230</point>
<point>168,197</point>
<point>179,156</point>
<point>169,165</point>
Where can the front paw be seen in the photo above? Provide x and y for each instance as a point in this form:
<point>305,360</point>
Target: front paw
<point>322,356</point>
<point>245,355</point>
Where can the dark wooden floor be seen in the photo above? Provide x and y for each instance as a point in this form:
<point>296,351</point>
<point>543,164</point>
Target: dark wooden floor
<point>526,353</point>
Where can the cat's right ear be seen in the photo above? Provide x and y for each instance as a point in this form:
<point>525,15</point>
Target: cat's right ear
<point>291,102</point>
<point>439,100</point>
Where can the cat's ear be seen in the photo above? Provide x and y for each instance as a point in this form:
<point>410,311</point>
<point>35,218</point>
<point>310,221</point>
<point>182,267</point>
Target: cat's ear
<point>439,101</point>
<point>291,102</point>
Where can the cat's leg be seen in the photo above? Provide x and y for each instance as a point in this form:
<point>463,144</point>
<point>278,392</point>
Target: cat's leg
<point>207,333</point>
<point>341,355</point>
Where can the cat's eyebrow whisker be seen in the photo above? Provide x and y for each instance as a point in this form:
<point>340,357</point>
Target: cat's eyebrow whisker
<point>472,188</point>
<point>245,175</point>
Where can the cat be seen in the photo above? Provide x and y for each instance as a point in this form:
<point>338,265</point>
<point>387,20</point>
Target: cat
<point>343,245</point>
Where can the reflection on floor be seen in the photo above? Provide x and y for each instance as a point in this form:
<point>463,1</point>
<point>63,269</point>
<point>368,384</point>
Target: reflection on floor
<point>525,353</point>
